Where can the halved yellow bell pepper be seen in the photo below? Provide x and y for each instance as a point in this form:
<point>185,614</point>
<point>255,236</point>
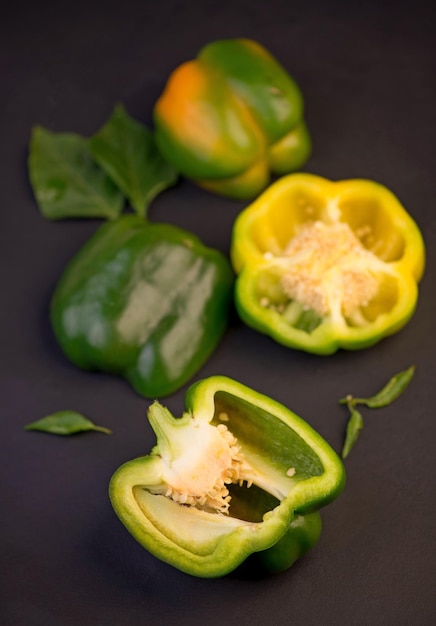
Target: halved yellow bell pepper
<point>324,265</point>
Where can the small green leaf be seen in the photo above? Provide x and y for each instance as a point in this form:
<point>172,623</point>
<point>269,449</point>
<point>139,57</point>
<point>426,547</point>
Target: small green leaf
<point>354,426</point>
<point>128,153</point>
<point>66,180</point>
<point>65,423</point>
<point>390,392</point>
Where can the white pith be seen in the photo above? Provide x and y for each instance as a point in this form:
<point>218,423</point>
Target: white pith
<point>210,460</point>
<point>327,270</point>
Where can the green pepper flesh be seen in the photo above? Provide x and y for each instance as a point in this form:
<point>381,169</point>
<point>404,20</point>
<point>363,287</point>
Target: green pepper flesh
<point>145,301</point>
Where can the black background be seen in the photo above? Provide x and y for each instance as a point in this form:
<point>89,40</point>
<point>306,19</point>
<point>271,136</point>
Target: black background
<point>367,71</point>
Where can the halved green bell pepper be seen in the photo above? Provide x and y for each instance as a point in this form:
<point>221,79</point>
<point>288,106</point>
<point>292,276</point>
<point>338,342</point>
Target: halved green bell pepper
<point>230,117</point>
<point>238,476</point>
<point>146,301</point>
<point>324,265</point>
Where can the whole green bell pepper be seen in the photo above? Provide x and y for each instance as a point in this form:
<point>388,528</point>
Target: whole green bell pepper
<point>146,301</point>
<point>238,477</point>
<point>230,117</point>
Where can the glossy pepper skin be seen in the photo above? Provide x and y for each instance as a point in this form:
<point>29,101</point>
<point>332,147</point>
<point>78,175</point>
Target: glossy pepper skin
<point>324,265</point>
<point>146,301</point>
<point>230,117</point>
<point>285,472</point>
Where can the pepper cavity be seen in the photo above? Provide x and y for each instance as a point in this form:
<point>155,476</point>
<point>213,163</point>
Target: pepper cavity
<point>329,272</point>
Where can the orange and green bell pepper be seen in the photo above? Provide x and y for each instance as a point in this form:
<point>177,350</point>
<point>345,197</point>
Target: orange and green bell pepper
<point>238,478</point>
<point>146,301</point>
<point>324,265</point>
<point>230,117</point>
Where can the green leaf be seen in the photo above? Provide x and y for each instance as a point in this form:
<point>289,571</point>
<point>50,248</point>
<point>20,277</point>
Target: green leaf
<point>354,426</point>
<point>390,392</point>
<point>66,180</point>
<point>65,423</point>
<point>127,151</point>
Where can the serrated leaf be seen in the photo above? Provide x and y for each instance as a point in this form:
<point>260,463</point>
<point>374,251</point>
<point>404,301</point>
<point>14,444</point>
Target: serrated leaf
<point>126,150</point>
<point>65,423</point>
<point>66,180</point>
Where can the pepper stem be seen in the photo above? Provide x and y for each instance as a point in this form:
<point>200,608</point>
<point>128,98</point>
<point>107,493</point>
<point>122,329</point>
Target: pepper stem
<point>165,427</point>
